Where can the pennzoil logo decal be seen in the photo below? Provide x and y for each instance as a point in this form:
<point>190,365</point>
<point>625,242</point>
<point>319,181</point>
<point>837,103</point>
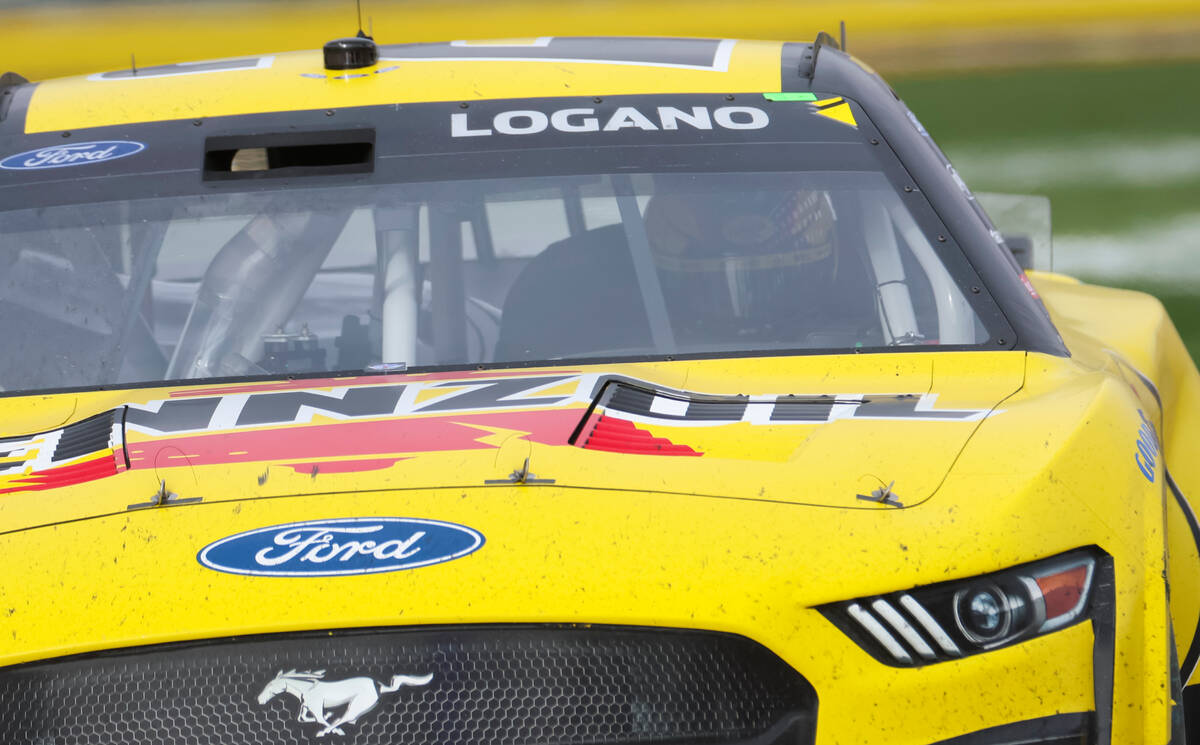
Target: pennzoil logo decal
<point>75,154</point>
<point>237,410</point>
<point>339,547</point>
<point>333,426</point>
<point>333,703</point>
<point>191,413</point>
<point>683,410</point>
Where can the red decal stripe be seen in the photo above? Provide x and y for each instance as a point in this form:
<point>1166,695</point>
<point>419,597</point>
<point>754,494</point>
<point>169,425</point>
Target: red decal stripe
<point>77,473</point>
<point>622,436</point>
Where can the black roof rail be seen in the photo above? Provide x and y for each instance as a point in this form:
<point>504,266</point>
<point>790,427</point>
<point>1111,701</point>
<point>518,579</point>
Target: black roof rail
<point>8,82</point>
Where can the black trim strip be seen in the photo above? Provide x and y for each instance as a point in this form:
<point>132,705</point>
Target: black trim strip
<point>125,437</point>
<point>1104,649</point>
<point>1193,654</point>
<point>1058,728</point>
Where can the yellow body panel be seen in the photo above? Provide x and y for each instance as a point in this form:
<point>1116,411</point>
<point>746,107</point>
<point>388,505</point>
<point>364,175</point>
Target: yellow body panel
<point>1125,334</point>
<point>588,557</point>
<point>664,557</point>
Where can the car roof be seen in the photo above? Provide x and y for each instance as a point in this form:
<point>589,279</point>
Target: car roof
<point>408,73</point>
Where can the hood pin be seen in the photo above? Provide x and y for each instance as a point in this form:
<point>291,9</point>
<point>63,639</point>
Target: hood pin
<point>521,476</point>
<point>163,498</point>
<point>883,495</point>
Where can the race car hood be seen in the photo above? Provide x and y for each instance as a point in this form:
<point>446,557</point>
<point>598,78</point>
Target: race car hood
<point>209,564</point>
<point>879,433</point>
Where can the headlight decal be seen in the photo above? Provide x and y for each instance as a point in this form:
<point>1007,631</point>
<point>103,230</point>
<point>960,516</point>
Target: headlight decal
<point>949,620</point>
<point>932,627</point>
<point>907,632</point>
<point>876,629</point>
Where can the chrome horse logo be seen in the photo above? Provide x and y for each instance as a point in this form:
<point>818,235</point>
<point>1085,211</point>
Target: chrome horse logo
<point>319,698</point>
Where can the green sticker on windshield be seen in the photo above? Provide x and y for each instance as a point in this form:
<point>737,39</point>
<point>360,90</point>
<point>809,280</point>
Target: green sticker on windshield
<point>790,96</point>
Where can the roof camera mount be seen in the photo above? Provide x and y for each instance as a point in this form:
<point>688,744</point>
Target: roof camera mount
<point>351,53</point>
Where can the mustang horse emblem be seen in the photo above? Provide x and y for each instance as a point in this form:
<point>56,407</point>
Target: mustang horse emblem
<point>319,696</point>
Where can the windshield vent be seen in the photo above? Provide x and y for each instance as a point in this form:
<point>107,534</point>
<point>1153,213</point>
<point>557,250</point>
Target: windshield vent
<point>292,154</point>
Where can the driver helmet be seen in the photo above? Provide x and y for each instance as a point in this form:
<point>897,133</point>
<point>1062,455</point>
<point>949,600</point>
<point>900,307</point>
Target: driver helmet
<point>745,262</point>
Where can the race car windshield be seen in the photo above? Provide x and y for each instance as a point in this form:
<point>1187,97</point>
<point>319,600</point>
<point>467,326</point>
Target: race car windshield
<point>661,262</point>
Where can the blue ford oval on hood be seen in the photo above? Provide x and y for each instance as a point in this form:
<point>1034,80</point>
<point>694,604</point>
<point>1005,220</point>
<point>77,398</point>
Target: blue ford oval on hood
<point>342,546</point>
<point>73,154</point>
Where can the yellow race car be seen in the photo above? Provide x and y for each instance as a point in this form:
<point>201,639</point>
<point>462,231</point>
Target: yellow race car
<point>564,391</point>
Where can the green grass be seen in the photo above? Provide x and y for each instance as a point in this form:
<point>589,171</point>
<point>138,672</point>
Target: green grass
<point>1104,209</point>
<point>1039,103</point>
<point>1009,110</point>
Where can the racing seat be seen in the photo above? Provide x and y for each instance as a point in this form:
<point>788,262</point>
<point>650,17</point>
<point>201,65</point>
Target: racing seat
<point>580,296</point>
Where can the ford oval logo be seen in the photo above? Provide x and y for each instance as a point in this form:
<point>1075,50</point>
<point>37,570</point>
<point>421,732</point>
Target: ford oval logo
<point>76,154</point>
<point>331,548</point>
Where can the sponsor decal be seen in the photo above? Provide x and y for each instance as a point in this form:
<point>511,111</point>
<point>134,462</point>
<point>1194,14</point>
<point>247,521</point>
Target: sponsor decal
<point>77,154</point>
<point>338,547</point>
<point>836,109</point>
<point>649,407</point>
<point>332,703</point>
<point>585,119</point>
<point>1033,293</point>
<point>484,395</point>
<point>20,453</point>
<point>316,430</point>
<point>1146,456</point>
<point>242,410</point>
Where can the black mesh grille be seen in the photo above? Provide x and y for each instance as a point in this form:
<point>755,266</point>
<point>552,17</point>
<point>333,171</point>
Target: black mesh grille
<point>499,686</point>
